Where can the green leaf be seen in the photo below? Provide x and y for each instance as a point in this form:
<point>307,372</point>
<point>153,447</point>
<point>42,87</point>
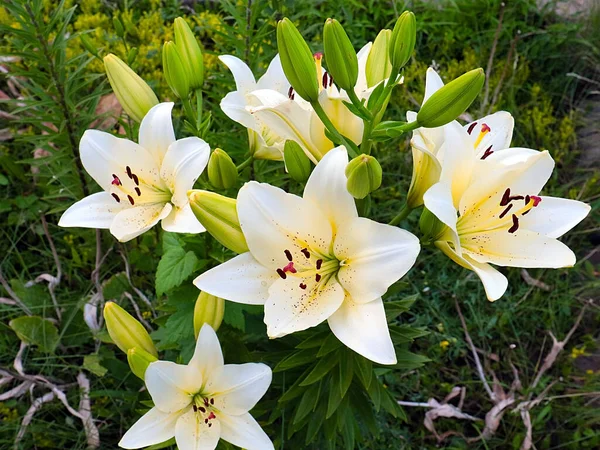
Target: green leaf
<point>335,398</point>
<point>394,309</point>
<point>295,390</point>
<point>91,363</point>
<point>321,369</point>
<point>402,334</point>
<point>375,394</point>
<point>234,315</point>
<point>388,403</point>
<point>175,266</point>
<point>331,343</point>
<point>308,402</point>
<point>408,360</point>
<point>364,370</point>
<point>34,330</point>
<point>294,360</point>
<point>315,340</point>
<point>346,371</point>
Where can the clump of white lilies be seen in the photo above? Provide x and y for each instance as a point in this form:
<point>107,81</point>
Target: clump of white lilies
<point>309,259</point>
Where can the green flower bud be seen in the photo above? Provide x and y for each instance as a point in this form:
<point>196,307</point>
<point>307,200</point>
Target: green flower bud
<point>218,214</point>
<point>139,360</point>
<point>190,52</point>
<point>175,71</point>
<point>208,309</point>
<point>364,176</point>
<point>378,66</point>
<point>88,45</point>
<point>134,95</point>
<point>296,161</point>
<point>125,331</point>
<point>451,100</point>
<point>297,61</point>
<point>222,172</point>
<point>119,28</point>
<point>342,63</point>
<point>403,41</point>
<point>431,227</point>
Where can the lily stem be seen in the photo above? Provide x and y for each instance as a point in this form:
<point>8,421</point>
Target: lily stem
<point>403,214</point>
<point>359,105</point>
<point>189,112</point>
<point>245,164</point>
<point>331,128</point>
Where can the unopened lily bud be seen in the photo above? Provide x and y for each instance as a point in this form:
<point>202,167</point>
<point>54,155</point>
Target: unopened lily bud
<point>139,360</point>
<point>134,95</point>
<point>296,161</point>
<point>88,45</point>
<point>451,100</point>
<point>364,176</point>
<point>119,28</point>
<point>175,71</point>
<point>208,309</point>
<point>342,63</point>
<point>403,40</point>
<point>431,227</point>
<point>222,172</point>
<point>379,66</point>
<point>218,214</point>
<point>297,61</point>
<point>190,52</point>
<point>125,331</point>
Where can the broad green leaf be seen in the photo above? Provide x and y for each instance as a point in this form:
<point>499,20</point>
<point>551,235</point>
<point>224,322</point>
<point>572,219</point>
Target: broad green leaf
<point>91,363</point>
<point>175,266</point>
<point>321,369</point>
<point>234,315</point>
<point>34,330</point>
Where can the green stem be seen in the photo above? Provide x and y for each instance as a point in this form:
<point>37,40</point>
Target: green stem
<point>403,214</point>
<point>245,164</point>
<point>367,143</point>
<point>189,111</point>
<point>331,128</point>
<point>198,108</point>
<point>356,102</point>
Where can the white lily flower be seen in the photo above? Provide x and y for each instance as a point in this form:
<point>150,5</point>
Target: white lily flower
<point>202,402</point>
<point>495,214</point>
<point>143,183</point>
<point>313,259</point>
<point>487,135</point>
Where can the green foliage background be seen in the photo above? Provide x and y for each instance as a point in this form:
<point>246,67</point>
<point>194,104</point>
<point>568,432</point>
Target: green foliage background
<point>53,88</point>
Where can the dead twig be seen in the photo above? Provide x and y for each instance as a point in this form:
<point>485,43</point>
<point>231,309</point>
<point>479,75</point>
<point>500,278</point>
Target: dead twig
<point>85,411</point>
<point>28,417</point>
<point>13,295</point>
<point>533,282</point>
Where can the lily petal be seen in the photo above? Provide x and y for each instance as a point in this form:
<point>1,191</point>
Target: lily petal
<point>182,165</point>
<point>363,328</point>
<point>171,385</point>
<point>433,83</point>
<point>208,357</point>
<point>182,220</point>
<point>132,222</point>
<point>291,308</point>
<point>374,257</point>
<point>274,221</point>
<point>152,428</point>
<point>244,432</point>
<point>238,387</point>
<point>241,279</point>
<point>438,200</point>
<point>274,78</point>
<point>191,433</point>
<point>553,216</point>
<point>156,131</point>
<point>94,211</point>
<point>234,106</point>
<point>244,79</point>
<point>326,188</point>
<point>458,160</point>
<point>500,126</point>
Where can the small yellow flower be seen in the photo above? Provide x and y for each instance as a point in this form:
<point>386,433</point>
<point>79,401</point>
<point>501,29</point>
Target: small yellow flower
<point>589,372</point>
<point>577,352</point>
<point>444,344</point>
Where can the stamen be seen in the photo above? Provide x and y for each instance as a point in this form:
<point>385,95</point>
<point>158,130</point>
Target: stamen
<point>515,225</point>
<point>470,129</point>
<point>281,273</point>
<point>319,263</point>
<point>302,286</point>
<point>324,81</point>
<point>488,152</point>
<point>485,128</point>
<point>211,415</point>
<point>138,192</point>
<point>536,200</point>
<point>202,410</point>
<point>116,181</point>
<point>317,278</point>
<point>293,96</point>
<point>212,402</point>
<point>505,197</point>
<point>135,179</point>
<point>288,255</point>
<point>305,252</point>
<point>195,408</point>
<point>506,211</point>
<point>116,197</point>
<point>205,420</point>
<point>291,93</point>
<point>290,268</point>
<point>128,170</point>
<point>130,198</point>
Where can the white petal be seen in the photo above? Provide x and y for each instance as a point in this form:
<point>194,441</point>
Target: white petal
<point>375,256</point>
<point>244,79</point>
<point>236,388</point>
<point>156,131</point>
<point>345,122</point>
<point>438,200</point>
<point>361,84</point>
<point>291,308</point>
<point>104,155</point>
<point>243,431</point>
<point>241,279</point>
<point>274,221</point>
<point>234,106</point>
<point>326,187</point>
<point>433,83</point>
<point>208,357</point>
<point>553,216</point>
<point>274,78</point>
<point>154,427</point>
<point>132,222</point>
<point>494,282</point>
<point>182,220</point>
<point>500,124</point>
<point>171,385</point>
<point>425,172</point>
<point>182,165</point>
<point>523,248</point>
<point>458,160</point>
<point>363,328</point>
<point>94,211</point>
<point>191,433</point>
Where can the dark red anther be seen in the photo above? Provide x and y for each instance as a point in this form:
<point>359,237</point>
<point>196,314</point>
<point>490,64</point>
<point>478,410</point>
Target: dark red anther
<point>317,278</point>
<point>288,255</point>
<point>206,402</point>
<point>137,191</point>
<point>319,263</point>
<point>281,273</point>
<point>506,211</point>
<point>488,152</point>
<point>318,56</point>
<point>325,79</point>
<point>302,286</point>
<point>116,181</point>
<point>205,420</point>
<point>330,80</point>
<point>128,170</point>
<point>536,200</point>
<point>135,179</point>
<point>202,410</point>
<point>195,408</point>
<point>527,199</point>
<point>211,415</point>
<point>130,198</point>
<point>209,425</point>
<point>291,93</point>
<point>505,197</point>
<point>290,268</point>
<point>515,225</point>
<point>305,252</point>
<point>485,128</point>
<point>212,402</point>
<point>293,96</point>
<point>470,129</point>
<point>116,197</point>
